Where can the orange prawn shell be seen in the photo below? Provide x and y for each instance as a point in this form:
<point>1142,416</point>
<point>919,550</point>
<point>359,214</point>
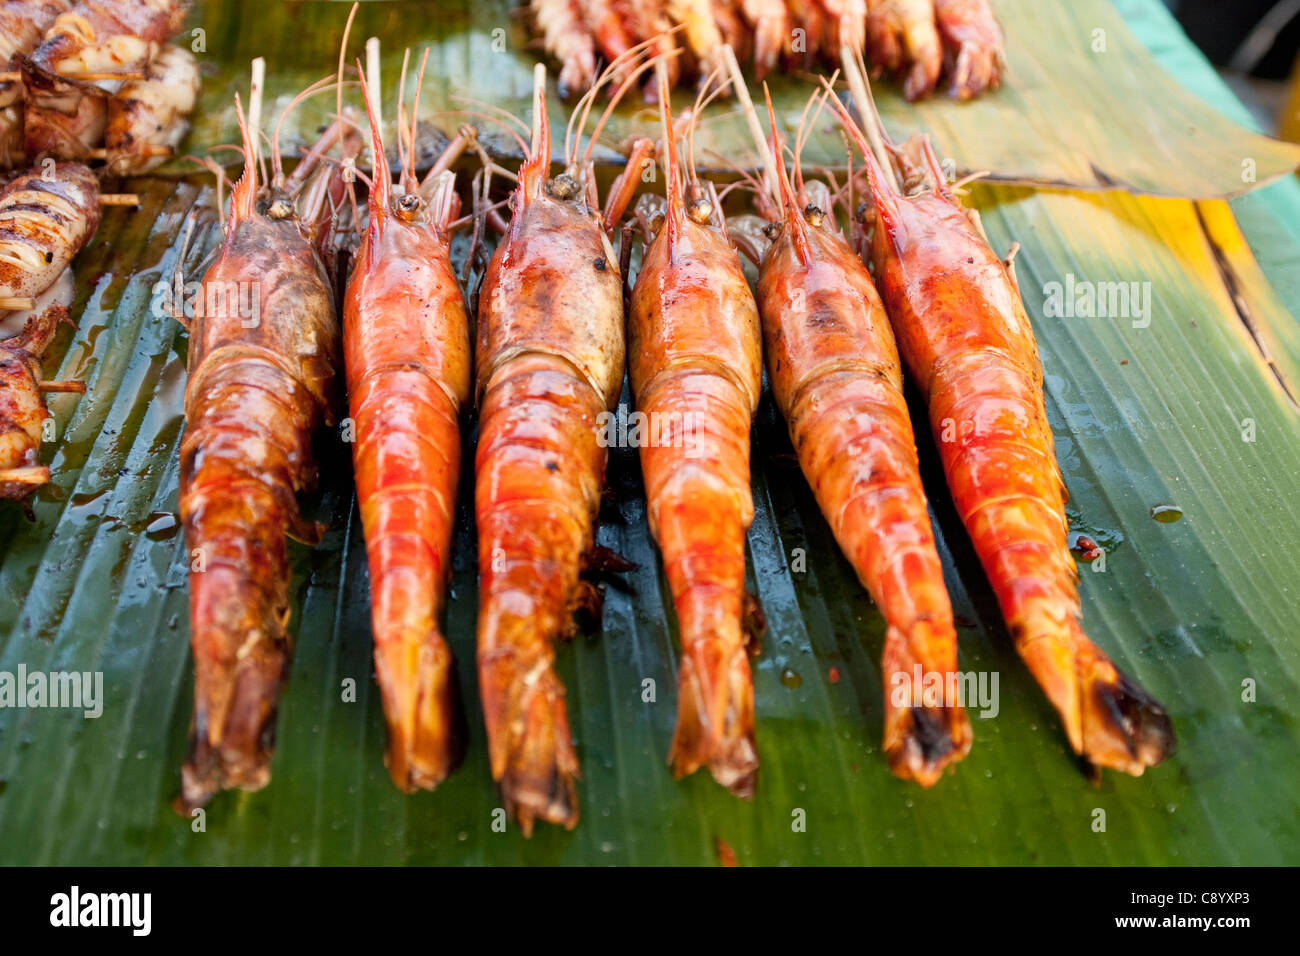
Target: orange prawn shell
<point>705,313</point>
<point>826,292</point>
<point>550,288</point>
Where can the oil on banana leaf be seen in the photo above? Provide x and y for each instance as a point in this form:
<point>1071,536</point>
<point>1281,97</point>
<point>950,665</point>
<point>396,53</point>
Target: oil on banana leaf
<point>1185,401</point>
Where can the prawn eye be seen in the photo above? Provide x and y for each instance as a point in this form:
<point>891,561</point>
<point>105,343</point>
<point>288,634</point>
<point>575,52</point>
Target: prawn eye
<point>408,206</point>
<point>814,215</point>
<point>700,211</point>
<point>280,209</point>
<point>563,186</point>
<point>772,230</point>
<point>861,212</point>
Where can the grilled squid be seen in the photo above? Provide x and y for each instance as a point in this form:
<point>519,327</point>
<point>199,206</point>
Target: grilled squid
<point>148,118</point>
<point>22,402</point>
<point>66,116</point>
<point>22,25</point>
<point>46,216</point>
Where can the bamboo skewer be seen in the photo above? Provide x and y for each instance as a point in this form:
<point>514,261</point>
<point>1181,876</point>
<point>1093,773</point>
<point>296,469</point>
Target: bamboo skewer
<point>119,199</point>
<point>28,475</point>
<point>149,149</point>
<point>16,303</point>
<point>15,76</point>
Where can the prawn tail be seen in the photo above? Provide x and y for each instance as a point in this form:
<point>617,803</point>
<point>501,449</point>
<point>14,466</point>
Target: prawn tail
<point>239,611</point>
<point>417,678</point>
<point>1110,720</point>
<point>715,704</point>
<point>698,493</point>
<point>529,741</point>
<point>926,727</point>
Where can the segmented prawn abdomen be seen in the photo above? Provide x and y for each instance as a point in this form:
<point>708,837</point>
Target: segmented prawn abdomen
<point>406,338</point>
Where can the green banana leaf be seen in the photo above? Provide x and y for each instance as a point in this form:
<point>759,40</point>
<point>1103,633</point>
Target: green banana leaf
<point>1184,411</point>
<point>1085,106</point>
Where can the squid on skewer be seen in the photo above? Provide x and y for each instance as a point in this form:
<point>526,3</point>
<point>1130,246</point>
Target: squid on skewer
<point>22,25</point>
<point>65,116</point>
<point>148,118</point>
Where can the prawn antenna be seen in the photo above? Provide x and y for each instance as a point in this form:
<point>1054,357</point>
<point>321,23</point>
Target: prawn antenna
<point>343,54</point>
<point>751,117</point>
<point>883,194</point>
<point>856,73</point>
<point>672,171</point>
<point>409,181</point>
<point>533,170</point>
<point>379,189</point>
<point>793,216</point>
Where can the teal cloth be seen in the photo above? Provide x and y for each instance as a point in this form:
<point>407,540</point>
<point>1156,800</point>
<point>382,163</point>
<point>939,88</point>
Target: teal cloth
<point>1269,216</point>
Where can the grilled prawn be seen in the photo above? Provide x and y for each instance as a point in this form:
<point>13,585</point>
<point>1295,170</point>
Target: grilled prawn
<point>836,377</point>
<point>262,359</point>
<point>696,369</point>
<point>548,363</point>
<point>566,36</point>
<point>973,46</point>
<point>22,405</point>
<point>406,347</point>
<point>966,339</point>
<point>148,118</point>
<point>902,38</point>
